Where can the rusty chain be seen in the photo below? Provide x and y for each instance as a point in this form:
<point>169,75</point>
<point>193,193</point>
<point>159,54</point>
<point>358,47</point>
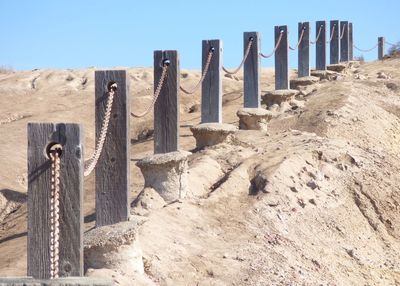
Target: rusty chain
<point>333,31</point>
<point>367,50</point>
<point>156,93</point>
<point>91,163</point>
<point>298,43</point>
<point>54,214</point>
<point>390,44</point>
<point>246,54</point>
<point>203,76</point>
<point>318,35</point>
<point>342,34</point>
<point>275,48</point>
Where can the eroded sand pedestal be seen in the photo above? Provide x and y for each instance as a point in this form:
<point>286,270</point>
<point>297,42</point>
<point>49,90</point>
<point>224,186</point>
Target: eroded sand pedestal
<point>114,247</point>
<point>279,96</point>
<point>166,173</point>
<point>254,118</point>
<point>210,134</point>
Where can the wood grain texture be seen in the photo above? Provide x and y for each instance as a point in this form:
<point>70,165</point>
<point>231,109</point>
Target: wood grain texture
<point>281,59</point>
<point>211,88</point>
<point>70,281</point>
<point>40,135</point>
<point>112,169</point>
<point>334,44</point>
<point>344,42</point>
<point>381,48</point>
<point>166,109</point>
<point>351,54</point>
<point>304,49</point>
<point>320,46</point>
<point>252,71</point>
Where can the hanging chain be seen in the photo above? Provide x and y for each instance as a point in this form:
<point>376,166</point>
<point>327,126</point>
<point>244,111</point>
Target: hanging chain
<point>54,214</point>
<point>390,44</point>
<point>246,54</point>
<point>333,31</point>
<point>342,34</point>
<point>318,35</point>
<point>275,48</point>
<point>298,43</point>
<point>91,163</point>
<point>367,50</point>
<point>156,93</point>
<point>203,76</point>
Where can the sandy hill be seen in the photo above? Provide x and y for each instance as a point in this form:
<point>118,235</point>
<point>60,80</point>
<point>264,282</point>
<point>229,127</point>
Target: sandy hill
<point>315,201</point>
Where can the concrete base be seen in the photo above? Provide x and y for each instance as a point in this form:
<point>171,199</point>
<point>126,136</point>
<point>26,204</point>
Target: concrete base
<point>166,173</point>
<point>337,67</point>
<point>303,81</point>
<point>328,75</point>
<point>66,281</point>
<point>114,247</point>
<point>210,134</point>
<point>279,96</point>
<point>254,118</point>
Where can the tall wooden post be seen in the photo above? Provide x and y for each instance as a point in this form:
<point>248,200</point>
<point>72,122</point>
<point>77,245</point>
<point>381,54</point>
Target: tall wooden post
<point>351,41</point>
<point>112,169</point>
<point>381,48</point>
<point>166,109</point>
<point>281,58</point>
<point>334,42</point>
<point>320,45</point>
<point>211,89</point>
<point>252,70</point>
<point>304,49</point>
<point>41,138</point>
<point>344,41</point>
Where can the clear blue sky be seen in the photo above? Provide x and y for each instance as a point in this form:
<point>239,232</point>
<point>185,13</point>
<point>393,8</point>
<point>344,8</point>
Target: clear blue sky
<point>79,34</point>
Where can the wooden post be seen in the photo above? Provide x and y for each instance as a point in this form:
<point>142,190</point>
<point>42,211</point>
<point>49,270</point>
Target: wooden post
<point>344,41</point>
<point>252,71</point>
<point>350,41</point>
<point>112,169</point>
<point>304,49</point>
<point>281,59</point>
<point>381,48</point>
<point>211,89</point>
<point>334,42</point>
<point>320,46</point>
<point>41,136</point>
<point>166,109</point>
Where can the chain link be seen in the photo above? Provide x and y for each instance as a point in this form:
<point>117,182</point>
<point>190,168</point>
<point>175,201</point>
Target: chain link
<point>298,43</point>
<point>203,76</point>
<point>342,34</point>
<point>318,35</point>
<point>275,48</point>
<point>91,163</point>
<point>390,44</point>
<point>156,93</point>
<point>246,54</point>
<point>367,50</point>
<point>333,31</point>
<point>54,215</point>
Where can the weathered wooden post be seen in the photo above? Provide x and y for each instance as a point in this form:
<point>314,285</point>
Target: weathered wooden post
<point>351,41</point>
<point>55,194</point>
<point>281,58</point>
<point>320,45</point>
<point>344,41</point>
<point>166,109</point>
<point>381,48</point>
<point>252,70</point>
<point>334,42</point>
<point>211,89</point>
<point>112,169</point>
<point>304,49</point>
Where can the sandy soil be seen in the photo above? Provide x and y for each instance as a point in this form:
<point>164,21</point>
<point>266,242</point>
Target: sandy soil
<point>315,201</point>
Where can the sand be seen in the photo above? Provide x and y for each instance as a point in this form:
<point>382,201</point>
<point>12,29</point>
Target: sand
<point>313,201</point>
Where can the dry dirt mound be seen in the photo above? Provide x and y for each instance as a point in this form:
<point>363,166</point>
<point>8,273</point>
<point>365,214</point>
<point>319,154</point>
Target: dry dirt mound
<point>315,201</point>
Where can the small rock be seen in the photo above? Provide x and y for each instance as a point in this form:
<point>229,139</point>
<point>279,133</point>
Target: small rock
<point>382,75</point>
<point>312,184</point>
<point>312,201</point>
<point>293,189</point>
<point>392,86</point>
